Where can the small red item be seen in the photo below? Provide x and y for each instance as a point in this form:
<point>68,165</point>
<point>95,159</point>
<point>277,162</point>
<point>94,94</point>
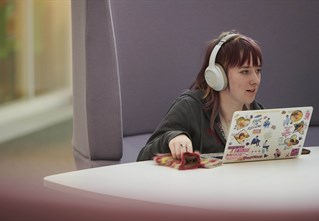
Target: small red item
<point>188,161</point>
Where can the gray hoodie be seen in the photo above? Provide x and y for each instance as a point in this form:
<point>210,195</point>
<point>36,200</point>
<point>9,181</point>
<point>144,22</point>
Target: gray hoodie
<point>187,116</point>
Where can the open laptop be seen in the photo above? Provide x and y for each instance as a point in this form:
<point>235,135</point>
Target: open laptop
<point>267,134</point>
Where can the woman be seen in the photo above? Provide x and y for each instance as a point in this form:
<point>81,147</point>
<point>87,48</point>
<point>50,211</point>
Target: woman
<point>200,118</point>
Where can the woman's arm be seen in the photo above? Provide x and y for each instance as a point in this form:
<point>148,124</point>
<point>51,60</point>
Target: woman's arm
<point>175,123</point>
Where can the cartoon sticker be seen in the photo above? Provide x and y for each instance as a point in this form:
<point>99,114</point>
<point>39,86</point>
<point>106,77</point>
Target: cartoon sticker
<point>299,127</point>
<point>294,152</point>
<point>267,123</point>
<point>291,141</point>
<point>241,136</point>
<point>286,121</point>
<point>242,122</point>
<point>255,141</point>
<point>296,116</point>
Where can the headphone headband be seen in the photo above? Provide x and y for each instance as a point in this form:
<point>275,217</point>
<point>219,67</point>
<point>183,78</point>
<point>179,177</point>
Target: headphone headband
<point>218,46</point>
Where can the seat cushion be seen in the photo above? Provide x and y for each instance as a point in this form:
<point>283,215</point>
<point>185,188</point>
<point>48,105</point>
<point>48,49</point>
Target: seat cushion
<point>312,138</point>
<point>132,146</point>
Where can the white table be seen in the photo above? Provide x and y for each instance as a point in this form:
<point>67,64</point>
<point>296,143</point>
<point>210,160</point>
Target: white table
<point>279,185</point>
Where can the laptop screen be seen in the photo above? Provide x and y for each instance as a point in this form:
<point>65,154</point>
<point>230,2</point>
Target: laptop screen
<point>267,134</point>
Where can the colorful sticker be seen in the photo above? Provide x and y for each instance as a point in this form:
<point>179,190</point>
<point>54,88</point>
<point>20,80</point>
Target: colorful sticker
<point>296,116</point>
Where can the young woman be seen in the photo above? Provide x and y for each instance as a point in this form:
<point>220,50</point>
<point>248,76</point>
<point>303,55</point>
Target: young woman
<point>199,119</point>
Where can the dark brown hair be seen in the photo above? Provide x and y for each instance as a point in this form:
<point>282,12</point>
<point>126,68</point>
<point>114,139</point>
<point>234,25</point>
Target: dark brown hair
<point>235,52</point>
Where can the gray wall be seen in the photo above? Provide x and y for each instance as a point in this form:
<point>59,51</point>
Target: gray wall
<point>160,47</point>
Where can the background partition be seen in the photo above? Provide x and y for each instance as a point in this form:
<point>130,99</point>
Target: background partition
<point>97,137</point>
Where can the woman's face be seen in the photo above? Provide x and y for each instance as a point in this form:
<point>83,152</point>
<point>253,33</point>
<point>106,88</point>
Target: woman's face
<point>243,83</point>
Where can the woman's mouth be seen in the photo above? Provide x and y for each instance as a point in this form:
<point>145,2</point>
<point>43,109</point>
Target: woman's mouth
<point>252,90</point>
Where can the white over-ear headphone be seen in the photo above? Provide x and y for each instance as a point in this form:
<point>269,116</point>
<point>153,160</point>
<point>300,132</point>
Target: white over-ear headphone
<point>215,75</point>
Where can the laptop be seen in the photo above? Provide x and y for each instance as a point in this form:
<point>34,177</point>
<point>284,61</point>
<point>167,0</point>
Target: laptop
<point>267,134</point>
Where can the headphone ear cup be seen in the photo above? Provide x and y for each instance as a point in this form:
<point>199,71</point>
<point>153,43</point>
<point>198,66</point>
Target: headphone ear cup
<point>215,77</point>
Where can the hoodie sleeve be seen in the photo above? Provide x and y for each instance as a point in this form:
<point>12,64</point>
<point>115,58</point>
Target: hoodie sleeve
<point>175,122</point>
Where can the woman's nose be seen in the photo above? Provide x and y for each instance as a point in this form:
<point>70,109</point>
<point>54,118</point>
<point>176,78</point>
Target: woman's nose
<point>255,79</point>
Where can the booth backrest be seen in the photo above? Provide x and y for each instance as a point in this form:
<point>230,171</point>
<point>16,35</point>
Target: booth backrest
<point>132,58</point>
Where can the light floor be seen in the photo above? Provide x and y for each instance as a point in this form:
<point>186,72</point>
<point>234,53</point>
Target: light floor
<point>23,164</point>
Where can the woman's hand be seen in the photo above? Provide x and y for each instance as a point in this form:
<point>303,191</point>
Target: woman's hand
<point>179,145</point>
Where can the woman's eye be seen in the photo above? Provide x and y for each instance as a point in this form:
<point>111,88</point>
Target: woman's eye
<point>244,72</point>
